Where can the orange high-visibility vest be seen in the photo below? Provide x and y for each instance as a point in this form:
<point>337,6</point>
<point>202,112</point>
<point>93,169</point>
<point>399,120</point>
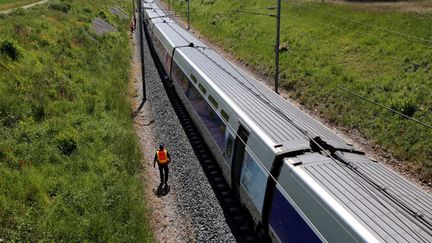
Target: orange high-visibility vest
<point>162,157</point>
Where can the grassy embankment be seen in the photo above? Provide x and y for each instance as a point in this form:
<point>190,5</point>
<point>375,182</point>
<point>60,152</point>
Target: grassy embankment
<point>69,157</point>
<point>8,4</point>
<point>325,51</point>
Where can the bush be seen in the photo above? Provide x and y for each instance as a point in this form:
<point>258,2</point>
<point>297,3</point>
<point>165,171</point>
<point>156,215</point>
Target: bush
<point>11,49</point>
<point>406,107</point>
<point>63,7</point>
<point>66,142</point>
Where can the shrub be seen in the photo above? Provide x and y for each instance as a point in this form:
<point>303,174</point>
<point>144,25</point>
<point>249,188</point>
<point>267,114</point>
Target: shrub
<point>207,2</point>
<point>11,49</point>
<point>102,15</point>
<point>66,142</point>
<point>406,107</point>
<point>18,12</point>
<point>63,7</point>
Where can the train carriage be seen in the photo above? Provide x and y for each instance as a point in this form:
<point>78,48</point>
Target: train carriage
<point>297,178</point>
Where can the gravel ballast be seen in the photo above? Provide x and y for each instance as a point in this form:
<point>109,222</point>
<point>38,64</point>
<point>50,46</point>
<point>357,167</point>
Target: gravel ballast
<point>190,211</point>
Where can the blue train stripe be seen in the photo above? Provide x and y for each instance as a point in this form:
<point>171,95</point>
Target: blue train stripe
<point>287,223</point>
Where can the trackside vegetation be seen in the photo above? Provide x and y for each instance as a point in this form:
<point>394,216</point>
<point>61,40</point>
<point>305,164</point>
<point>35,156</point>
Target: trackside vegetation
<point>379,52</point>
<point>69,157</point>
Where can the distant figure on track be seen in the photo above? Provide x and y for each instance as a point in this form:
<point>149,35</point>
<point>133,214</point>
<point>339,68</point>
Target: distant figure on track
<point>163,158</point>
<point>132,24</point>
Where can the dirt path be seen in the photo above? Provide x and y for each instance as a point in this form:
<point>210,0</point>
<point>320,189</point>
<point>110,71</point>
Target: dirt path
<point>24,7</point>
<point>166,224</point>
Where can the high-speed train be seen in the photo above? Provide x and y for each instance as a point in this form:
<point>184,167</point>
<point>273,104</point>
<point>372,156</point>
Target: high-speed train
<point>298,179</point>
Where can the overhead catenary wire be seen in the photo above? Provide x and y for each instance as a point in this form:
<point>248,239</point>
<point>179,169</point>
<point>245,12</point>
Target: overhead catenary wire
<point>260,163</point>
<point>260,95</point>
<point>365,24</point>
<point>356,94</point>
<point>388,196</point>
<point>313,141</point>
<point>154,8</point>
<point>368,99</point>
<point>383,106</point>
<point>262,8</point>
<point>379,199</point>
<point>163,16</point>
<point>253,13</point>
<point>359,22</point>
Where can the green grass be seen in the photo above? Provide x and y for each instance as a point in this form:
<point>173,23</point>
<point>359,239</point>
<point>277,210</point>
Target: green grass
<point>325,51</point>
<point>69,157</point>
<point>8,4</point>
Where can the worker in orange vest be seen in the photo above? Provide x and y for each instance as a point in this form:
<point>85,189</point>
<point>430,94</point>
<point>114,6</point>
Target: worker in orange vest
<point>163,158</point>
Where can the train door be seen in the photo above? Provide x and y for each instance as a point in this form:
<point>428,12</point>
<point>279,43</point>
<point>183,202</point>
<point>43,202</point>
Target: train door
<point>237,161</point>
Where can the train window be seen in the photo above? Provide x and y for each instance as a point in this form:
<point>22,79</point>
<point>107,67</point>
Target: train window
<point>213,101</point>
<point>202,88</point>
<point>167,60</point>
<point>193,78</point>
<point>160,49</point>
<point>211,119</point>
<point>229,139</point>
<point>181,78</point>
<point>225,115</point>
<point>254,179</point>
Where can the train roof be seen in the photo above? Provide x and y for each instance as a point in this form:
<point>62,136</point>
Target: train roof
<point>382,215</point>
<point>278,119</point>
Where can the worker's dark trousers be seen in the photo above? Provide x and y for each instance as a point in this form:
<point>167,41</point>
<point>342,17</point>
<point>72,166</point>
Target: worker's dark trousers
<point>163,171</point>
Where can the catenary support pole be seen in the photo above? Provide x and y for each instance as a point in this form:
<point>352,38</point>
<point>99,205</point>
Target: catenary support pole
<point>133,12</point>
<point>141,36</point>
<point>278,17</point>
<point>188,13</point>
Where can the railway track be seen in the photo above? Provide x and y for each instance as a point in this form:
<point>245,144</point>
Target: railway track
<point>236,216</point>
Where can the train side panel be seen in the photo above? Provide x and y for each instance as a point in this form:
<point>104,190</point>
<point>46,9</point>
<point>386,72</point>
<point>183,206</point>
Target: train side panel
<point>303,211</point>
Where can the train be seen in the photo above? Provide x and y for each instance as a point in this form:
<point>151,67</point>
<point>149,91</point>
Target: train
<point>298,179</point>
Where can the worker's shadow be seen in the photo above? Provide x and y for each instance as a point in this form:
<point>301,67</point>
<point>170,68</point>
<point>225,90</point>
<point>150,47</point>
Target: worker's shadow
<point>161,191</point>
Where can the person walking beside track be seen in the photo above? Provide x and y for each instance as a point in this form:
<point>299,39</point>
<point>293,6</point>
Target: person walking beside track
<point>163,158</point>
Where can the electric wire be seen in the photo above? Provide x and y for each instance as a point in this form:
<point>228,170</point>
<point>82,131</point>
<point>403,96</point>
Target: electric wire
<point>262,8</point>
<point>260,163</point>
<point>395,199</point>
<point>153,8</point>
<point>360,174</point>
<point>252,13</point>
<point>322,149</point>
<point>161,16</point>
<point>328,154</point>
<point>356,94</point>
<point>376,103</point>
<point>365,24</point>
<point>383,106</point>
